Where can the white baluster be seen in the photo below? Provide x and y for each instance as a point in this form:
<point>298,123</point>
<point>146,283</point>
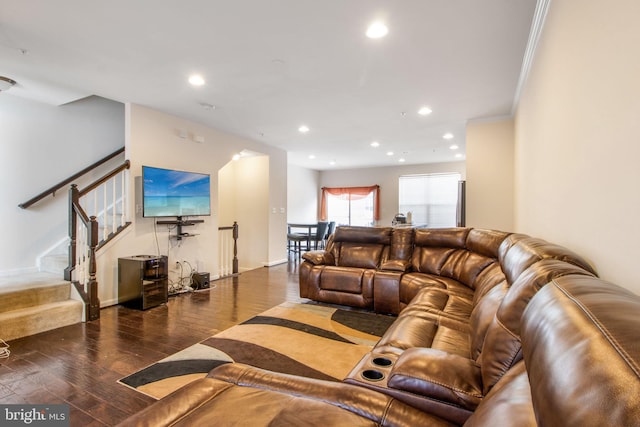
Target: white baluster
<point>123,205</point>
<point>104,216</point>
<point>114,194</point>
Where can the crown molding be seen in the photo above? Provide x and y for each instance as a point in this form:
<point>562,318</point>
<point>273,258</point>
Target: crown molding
<point>539,16</point>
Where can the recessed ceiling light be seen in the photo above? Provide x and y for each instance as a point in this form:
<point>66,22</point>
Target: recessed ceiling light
<point>458,155</point>
<point>303,129</point>
<point>401,160</point>
<point>389,153</point>
<point>377,30</point>
<point>196,80</point>
<point>453,147</point>
<point>424,111</point>
<point>312,156</point>
<point>332,162</point>
<point>448,135</point>
<point>375,144</point>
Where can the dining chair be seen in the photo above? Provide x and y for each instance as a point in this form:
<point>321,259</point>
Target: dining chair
<point>321,231</point>
<point>330,229</point>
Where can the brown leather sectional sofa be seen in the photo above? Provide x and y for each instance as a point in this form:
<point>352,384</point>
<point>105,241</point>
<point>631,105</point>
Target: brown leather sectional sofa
<point>493,329</point>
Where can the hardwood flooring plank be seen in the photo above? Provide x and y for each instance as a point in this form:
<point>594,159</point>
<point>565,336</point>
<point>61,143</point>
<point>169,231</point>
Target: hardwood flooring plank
<point>80,364</point>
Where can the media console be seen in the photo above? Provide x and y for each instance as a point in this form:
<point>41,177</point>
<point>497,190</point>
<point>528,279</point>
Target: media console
<point>142,281</point>
<point>179,223</point>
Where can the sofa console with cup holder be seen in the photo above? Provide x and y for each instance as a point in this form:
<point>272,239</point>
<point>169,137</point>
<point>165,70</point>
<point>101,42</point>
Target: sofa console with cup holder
<point>492,328</point>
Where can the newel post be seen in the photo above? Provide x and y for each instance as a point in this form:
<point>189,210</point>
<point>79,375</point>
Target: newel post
<point>74,197</point>
<point>235,248</point>
<point>92,288</point>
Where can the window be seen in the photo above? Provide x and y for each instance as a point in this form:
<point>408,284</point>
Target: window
<point>432,199</point>
<point>350,205</point>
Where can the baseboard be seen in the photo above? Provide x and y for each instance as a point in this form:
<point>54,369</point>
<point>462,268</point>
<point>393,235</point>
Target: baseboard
<point>276,262</point>
<point>109,302</point>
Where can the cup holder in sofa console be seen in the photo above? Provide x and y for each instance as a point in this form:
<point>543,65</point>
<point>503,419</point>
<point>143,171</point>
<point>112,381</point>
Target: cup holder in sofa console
<point>382,361</point>
<point>372,375</point>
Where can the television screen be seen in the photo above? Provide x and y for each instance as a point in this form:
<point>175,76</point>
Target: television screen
<point>167,192</point>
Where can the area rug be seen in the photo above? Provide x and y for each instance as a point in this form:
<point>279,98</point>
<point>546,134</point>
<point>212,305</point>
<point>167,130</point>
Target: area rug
<point>309,340</point>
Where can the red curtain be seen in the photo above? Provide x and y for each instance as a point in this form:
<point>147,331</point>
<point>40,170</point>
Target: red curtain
<point>354,193</point>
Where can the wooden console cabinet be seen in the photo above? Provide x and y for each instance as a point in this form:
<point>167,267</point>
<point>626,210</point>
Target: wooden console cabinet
<point>142,281</point>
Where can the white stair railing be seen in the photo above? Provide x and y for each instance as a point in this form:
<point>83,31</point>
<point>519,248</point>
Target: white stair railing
<point>101,204</point>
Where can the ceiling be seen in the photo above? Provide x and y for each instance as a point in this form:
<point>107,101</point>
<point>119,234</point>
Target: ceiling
<point>272,66</point>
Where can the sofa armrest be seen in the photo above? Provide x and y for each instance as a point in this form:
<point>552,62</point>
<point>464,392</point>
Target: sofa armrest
<point>396,265</point>
<point>439,375</point>
<point>237,394</point>
<point>319,257</point>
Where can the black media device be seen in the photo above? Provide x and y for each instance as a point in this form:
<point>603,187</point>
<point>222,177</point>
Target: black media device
<point>200,281</point>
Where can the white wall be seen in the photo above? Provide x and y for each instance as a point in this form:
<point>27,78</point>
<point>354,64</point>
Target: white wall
<point>387,179</point>
<point>40,146</point>
<point>489,188</point>
<point>244,197</point>
<point>303,205</point>
<point>577,130</point>
<point>152,139</point>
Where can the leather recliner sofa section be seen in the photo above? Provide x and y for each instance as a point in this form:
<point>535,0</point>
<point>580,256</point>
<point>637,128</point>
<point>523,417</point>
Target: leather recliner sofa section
<point>448,288</point>
<point>492,329</point>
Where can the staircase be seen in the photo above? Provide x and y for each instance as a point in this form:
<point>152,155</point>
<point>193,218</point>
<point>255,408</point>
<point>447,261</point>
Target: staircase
<point>96,210</point>
<point>34,303</point>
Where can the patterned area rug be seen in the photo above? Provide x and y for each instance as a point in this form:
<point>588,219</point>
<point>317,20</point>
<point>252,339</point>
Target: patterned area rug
<point>301,339</point>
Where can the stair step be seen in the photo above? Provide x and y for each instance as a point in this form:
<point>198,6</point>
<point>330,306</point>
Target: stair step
<point>44,317</point>
<point>54,263</point>
<point>30,290</point>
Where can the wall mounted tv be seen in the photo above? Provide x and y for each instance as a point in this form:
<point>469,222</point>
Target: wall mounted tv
<point>167,192</point>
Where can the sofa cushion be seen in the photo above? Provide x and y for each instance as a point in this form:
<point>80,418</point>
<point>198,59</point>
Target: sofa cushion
<point>508,404</point>
<point>482,317</point>
<point>360,255</point>
<point>441,237</point>
<point>375,235</point>
<point>502,347</point>
<point>581,347</point>
<point>423,329</point>
<point>412,283</point>
<point>441,302</point>
<point>444,252</point>
<point>438,375</point>
<point>238,395</point>
<point>343,279</point>
<point>485,242</point>
<point>520,252</point>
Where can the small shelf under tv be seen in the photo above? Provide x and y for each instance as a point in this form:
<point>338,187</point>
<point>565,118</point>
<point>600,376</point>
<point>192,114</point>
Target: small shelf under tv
<point>179,223</point>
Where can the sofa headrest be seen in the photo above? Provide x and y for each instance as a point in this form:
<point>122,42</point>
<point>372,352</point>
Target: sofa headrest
<point>580,339</point>
<point>485,242</point>
<point>442,237</point>
<point>376,235</point>
<point>519,252</point>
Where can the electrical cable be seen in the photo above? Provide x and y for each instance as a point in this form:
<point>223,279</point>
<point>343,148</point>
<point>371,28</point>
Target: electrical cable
<point>4,349</point>
<point>155,232</point>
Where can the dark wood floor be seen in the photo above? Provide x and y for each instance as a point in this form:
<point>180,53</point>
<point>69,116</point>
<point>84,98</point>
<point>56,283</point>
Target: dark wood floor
<point>80,364</point>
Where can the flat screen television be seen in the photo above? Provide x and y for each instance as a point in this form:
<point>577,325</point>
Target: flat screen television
<point>168,192</point>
